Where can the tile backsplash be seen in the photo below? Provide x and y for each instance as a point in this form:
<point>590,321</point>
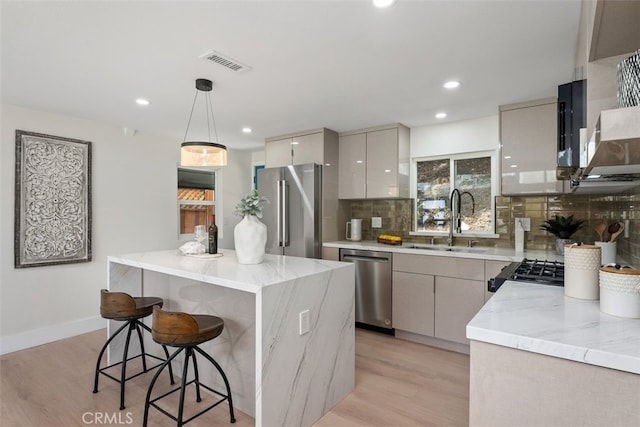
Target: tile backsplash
<point>397,219</point>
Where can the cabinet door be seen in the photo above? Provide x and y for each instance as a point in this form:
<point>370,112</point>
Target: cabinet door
<point>332,254</point>
<point>491,270</point>
<point>413,300</point>
<point>352,152</point>
<point>456,302</point>
<point>529,150</point>
<point>308,149</point>
<point>382,163</point>
<point>278,153</point>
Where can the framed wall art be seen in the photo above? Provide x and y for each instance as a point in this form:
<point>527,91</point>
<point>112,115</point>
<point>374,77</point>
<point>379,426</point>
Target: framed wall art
<point>52,200</point>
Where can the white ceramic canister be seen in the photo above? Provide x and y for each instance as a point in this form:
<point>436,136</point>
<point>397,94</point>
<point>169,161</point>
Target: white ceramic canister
<point>620,292</point>
<point>581,267</point>
<point>609,250</point>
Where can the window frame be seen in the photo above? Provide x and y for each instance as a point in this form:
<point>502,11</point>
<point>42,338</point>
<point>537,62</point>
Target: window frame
<point>492,154</point>
<point>216,203</point>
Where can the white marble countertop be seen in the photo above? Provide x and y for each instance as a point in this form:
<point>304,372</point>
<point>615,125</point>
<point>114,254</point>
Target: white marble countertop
<point>541,319</point>
<point>477,252</point>
<point>225,270</point>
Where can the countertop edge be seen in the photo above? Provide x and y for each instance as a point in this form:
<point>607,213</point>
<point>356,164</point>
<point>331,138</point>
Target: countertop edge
<point>541,319</point>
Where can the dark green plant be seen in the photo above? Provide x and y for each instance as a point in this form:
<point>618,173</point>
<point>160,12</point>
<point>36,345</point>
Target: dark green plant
<point>562,227</point>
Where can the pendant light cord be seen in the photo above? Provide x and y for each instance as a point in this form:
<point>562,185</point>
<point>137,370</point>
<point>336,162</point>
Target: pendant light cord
<point>209,107</point>
<point>190,116</point>
<point>213,119</point>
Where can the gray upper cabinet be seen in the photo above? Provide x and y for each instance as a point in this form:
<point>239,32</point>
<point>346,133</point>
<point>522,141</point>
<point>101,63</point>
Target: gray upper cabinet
<point>528,141</point>
<point>374,163</point>
<point>296,149</point>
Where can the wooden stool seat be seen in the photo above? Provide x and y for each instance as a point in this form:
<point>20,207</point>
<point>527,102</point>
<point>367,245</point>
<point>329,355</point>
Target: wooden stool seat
<point>123,307</point>
<point>178,329</point>
<point>186,331</point>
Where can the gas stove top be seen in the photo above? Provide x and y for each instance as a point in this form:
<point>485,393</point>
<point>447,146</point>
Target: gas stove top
<point>528,270</point>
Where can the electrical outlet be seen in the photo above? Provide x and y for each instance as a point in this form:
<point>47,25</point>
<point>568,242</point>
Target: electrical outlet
<point>525,223</point>
<point>376,222</point>
<point>304,322</point>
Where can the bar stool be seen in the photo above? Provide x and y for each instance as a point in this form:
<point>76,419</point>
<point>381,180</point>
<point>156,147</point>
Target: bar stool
<point>186,332</point>
<point>123,307</point>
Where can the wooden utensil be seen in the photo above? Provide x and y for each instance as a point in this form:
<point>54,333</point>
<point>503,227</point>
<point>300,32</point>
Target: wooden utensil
<point>619,231</point>
<point>613,228</point>
<point>600,228</point>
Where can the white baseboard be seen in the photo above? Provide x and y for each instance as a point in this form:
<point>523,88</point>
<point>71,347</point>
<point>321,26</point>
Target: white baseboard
<point>36,337</point>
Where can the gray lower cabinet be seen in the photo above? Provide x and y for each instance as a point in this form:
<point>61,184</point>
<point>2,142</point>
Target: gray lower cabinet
<point>413,302</point>
<point>436,296</point>
<point>456,302</point>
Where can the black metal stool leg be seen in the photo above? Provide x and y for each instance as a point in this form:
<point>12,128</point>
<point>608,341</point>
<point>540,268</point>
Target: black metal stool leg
<point>166,353</point>
<point>147,401</point>
<point>224,377</point>
<point>123,373</point>
<point>185,371</point>
<point>111,338</point>
<point>197,377</point>
<point>143,355</point>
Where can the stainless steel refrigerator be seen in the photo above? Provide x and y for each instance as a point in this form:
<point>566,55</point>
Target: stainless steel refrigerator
<point>294,214</point>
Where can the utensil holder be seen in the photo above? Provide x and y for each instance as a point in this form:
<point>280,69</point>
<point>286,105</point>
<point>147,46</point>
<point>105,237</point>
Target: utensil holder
<point>608,252</point>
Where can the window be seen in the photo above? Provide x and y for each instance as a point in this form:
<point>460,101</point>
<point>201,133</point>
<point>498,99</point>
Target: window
<point>472,175</point>
<point>197,199</point>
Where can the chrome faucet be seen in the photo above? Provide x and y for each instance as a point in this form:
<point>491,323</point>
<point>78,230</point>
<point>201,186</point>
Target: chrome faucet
<point>454,202</point>
<point>456,218</point>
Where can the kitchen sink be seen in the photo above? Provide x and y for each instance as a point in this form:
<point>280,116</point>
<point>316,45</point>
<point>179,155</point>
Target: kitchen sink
<point>448,249</point>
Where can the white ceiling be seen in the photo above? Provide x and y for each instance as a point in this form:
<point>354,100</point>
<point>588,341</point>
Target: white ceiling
<point>343,65</point>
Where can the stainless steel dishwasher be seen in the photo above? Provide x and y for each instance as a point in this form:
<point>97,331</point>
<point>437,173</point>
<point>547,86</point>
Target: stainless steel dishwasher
<point>373,286</point>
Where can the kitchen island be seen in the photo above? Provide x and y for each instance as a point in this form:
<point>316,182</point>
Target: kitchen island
<point>540,358</point>
<point>278,373</point>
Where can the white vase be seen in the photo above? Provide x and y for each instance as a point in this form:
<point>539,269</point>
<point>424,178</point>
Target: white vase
<point>250,238</point>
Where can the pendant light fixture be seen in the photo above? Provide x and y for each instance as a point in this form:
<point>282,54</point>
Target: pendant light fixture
<point>200,153</point>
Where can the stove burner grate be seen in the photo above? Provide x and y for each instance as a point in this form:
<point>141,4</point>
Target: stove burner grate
<point>551,272</point>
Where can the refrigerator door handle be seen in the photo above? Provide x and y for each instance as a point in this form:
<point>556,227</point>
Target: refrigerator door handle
<point>279,211</point>
<point>285,210</point>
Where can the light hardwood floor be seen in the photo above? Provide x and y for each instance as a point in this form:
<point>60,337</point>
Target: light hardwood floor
<point>398,383</point>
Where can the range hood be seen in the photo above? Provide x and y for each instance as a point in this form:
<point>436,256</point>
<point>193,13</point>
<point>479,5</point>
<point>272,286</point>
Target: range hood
<point>612,156</point>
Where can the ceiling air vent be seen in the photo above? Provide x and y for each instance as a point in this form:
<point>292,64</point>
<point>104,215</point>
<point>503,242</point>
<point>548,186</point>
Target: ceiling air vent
<point>225,61</point>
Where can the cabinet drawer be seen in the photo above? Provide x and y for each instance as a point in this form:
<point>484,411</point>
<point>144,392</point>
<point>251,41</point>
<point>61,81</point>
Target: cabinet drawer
<point>462,268</point>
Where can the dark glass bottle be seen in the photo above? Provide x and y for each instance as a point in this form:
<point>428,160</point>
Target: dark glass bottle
<point>213,236</point>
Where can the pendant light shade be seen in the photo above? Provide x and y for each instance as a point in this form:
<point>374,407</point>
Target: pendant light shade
<point>203,153</point>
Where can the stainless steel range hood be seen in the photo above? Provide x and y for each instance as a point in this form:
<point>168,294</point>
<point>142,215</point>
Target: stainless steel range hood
<point>613,154</point>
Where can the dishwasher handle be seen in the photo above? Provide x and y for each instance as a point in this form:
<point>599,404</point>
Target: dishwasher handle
<point>348,258</point>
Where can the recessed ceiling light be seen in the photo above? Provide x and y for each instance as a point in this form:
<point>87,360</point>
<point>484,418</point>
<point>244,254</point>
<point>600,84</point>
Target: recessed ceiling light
<point>441,115</point>
<point>142,101</point>
<point>507,157</point>
<point>383,3</point>
<point>246,129</point>
<point>514,166</point>
<point>451,84</point>
<point>359,161</point>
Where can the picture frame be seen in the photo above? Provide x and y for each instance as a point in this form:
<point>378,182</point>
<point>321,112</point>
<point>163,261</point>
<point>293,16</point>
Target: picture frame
<point>52,220</point>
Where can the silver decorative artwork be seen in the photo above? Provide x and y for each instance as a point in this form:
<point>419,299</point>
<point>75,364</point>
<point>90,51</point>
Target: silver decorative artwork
<point>628,79</point>
<point>52,200</point>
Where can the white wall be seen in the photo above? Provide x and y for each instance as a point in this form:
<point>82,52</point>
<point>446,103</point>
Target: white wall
<point>134,209</point>
<point>456,137</point>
